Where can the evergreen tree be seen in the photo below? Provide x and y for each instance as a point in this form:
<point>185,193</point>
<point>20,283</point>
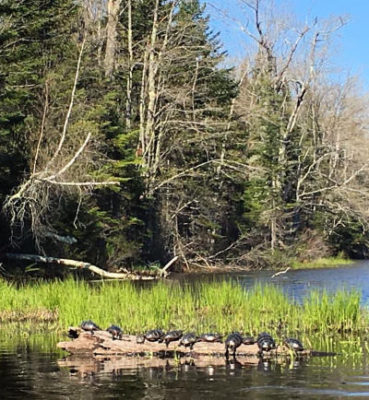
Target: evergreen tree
<point>196,201</point>
<point>35,38</point>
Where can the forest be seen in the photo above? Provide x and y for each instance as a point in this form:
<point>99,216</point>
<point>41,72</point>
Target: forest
<point>127,137</point>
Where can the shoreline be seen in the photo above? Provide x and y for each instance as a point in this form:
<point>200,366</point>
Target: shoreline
<point>327,262</point>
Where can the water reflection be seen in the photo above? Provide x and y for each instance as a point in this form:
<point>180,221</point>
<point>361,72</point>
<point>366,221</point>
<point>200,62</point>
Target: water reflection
<point>29,372</point>
<point>237,378</point>
<point>32,368</point>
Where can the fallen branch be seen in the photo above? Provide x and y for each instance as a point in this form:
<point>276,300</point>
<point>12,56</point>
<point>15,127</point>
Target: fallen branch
<point>164,271</point>
<point>281,272</point>
<point>78,264</point>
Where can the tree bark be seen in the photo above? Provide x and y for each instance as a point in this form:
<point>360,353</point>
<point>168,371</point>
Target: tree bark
<point>111,36</point>
<point>130,68</point>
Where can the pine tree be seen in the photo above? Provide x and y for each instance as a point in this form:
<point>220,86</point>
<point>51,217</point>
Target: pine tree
<point>35,38</point>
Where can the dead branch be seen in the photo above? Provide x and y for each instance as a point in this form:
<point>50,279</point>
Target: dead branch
<point>164,271</point>
<point>78,264</point>
<point>72,161</point>
<point>34,198</point>
<point>71,103</point>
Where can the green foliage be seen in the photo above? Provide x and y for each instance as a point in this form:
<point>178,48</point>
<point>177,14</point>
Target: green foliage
<point>220,306</point>
<point>35,38</point>
<point>220,179</point>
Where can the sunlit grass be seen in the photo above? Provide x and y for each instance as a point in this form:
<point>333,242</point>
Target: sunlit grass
<point>328,262</point>
<point>217,306</point>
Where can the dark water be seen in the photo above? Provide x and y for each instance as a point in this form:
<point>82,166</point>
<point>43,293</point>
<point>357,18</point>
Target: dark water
<point>31,368</point>
<point>33,374</point>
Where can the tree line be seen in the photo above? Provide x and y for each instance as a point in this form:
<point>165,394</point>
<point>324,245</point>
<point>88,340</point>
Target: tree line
<point>126,140</point>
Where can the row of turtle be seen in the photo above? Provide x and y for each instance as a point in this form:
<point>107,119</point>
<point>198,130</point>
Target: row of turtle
<point>234,340</point>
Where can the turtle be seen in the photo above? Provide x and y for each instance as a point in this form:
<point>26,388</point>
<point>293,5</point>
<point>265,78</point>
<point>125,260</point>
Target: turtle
<point>210,337</point>
<point>233,341</point>
<point>188,340</point>
<point>248,340</point>
<point>155,335</point>
<point>263,335</point>
<point>89,326</point>
<point>293,344</point>
<point>172,336</point>
<point>115,331</point>
<point>266,342</point>
<point>140,339</point>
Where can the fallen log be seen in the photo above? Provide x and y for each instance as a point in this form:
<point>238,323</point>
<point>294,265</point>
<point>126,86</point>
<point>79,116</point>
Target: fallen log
<point>79,264</point>
<point>100,343</point>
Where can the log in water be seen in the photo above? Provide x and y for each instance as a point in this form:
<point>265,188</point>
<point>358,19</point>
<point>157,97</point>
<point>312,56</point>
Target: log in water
<point>100,343</point>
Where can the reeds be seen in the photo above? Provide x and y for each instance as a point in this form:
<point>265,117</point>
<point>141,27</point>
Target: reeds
<point>328,262</point>
<point>217,306</point>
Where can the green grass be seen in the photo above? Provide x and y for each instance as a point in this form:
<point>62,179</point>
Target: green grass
<point>221,307</point>
<point>322,263</point>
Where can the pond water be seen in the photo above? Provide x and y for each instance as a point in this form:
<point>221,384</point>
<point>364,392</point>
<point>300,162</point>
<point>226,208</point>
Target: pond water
<point>299,283</point>
<point>32,368</point>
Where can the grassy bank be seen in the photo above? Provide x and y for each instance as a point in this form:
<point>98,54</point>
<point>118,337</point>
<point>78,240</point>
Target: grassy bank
<point>206,307</point>
<point>328,262</point>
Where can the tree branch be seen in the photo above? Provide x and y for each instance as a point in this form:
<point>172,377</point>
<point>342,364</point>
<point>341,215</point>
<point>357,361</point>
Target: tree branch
<point>77,264</point>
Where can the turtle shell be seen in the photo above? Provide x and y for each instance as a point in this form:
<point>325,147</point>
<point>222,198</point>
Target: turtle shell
<point>115,331</point>
<point>266,343</point>
<point>154,335</point>
<point>263,335</point>
<point>233,341</point>
<point>293,344</point>
<point>248,340</point>
<point>189,339</point>
<point>172,336</point>
<point>234,338</point>
<point>89,326</point>
<point>211,337</point>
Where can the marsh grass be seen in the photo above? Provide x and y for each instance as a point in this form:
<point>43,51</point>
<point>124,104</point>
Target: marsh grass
<point>218,306</point>
<point>328,262</point>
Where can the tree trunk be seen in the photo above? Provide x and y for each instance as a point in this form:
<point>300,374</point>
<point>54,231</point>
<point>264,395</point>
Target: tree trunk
<point>130,68</point>
<point>111,36</point>
<point>151,94</point>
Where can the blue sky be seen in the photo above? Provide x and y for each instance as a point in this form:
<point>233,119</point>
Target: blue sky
<point>350,47</point>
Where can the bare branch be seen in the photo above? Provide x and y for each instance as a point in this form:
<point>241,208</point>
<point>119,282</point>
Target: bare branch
<point>72,161</point>
<point>69,112</point>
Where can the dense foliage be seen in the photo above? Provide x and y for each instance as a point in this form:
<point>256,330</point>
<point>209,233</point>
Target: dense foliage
<point>125,140</point>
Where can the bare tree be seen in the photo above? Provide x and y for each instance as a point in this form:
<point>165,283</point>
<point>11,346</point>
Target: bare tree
<point>316,122</point>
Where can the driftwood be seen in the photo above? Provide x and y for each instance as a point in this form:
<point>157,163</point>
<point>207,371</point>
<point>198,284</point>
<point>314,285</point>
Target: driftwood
<point>93,268</point>
<point>164,271</point>
<point>281,272</point>
<point>101,344</point>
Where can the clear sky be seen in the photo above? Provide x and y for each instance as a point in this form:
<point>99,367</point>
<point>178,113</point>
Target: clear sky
<point>351,47</point>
